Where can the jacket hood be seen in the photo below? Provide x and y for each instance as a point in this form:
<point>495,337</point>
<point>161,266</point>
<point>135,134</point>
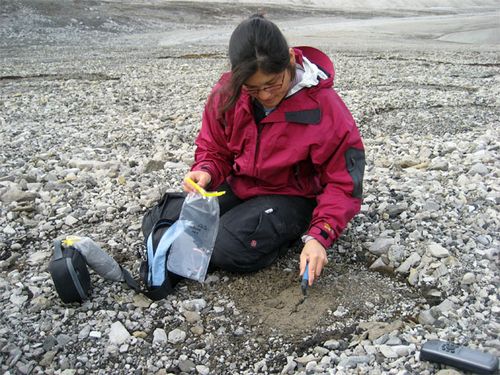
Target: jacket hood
<point>307,75</point>
<point>320,59</point>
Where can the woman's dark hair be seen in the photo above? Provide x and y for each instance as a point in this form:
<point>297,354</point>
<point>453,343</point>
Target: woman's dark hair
<point>256,44</point>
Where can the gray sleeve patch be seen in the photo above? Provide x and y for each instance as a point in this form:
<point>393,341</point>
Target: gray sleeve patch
<point>355,162</point>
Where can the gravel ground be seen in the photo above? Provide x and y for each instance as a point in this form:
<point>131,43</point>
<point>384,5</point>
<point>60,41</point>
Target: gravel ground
<point>97,120</point>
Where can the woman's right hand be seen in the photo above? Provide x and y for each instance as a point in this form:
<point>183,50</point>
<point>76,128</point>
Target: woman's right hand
<point>200,177</point>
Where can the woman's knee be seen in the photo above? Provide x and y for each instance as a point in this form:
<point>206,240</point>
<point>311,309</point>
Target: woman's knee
<point>232,255</point>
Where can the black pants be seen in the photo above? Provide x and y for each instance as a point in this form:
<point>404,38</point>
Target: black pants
<point>252,233</point>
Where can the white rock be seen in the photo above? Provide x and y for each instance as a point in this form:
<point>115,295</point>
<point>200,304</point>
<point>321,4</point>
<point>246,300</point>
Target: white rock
<point>93,164</point>
<point>320,350</point>
<point>212,279</point>
<point>172,165</point>
<point>326,361</point>
<point>195,304</point>
<point>141,300</point>
<point>15,195</point>
<point>311,367</point>
<point>381,245</point>
<point>468,278</point>
<point>95,334</point>
<point>340,311</point>
<point>437,251</point>
<point>70,177</point>
<point>305,359</point>
<point>159,336</point>
<point>396,253</point>
<point>387,351</point>
<point>84,333</point>
<point>176,336</point>
<point>463,181</point>
<point>401,350</point>
<point>240,331</point>
<point>413,276</point>
<point>431,206</point>
<point>393,340</point>
<point>9,230</point>
<point>331,344</point>
<point>409,262</point>
<point>353,361</point>
<point>479,168</point>
<point>381,340</point>
<point>202,370</point>
<point>448,372</point>
<point>260,366</point>
<point>191,316</point>
<point>118,334</point>
<point>493,254</point>
<point>70,220</point>
<point>218,309</point>
<point>38,257</point>
<point>446,306</point>
<point>439,164</point>
<point>425,318</point>
<point>380,266</point>
<point>18,299</point>
<point>440,271</point>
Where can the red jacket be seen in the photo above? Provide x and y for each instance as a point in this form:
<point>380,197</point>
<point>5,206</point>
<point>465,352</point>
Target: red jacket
<point>308,146</point>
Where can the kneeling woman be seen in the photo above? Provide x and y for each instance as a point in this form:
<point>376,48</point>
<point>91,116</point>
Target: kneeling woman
<point>281,142</point>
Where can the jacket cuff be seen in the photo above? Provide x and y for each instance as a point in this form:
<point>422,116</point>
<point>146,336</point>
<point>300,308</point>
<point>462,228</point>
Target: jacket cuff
<point>322,236</point>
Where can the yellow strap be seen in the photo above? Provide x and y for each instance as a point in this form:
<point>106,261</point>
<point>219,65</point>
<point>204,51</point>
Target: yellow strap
<point>70,240</point>
<point>202,191</point>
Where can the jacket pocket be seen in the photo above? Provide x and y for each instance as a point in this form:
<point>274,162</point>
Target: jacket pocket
<point>266,234</point>
<point>355,162</point>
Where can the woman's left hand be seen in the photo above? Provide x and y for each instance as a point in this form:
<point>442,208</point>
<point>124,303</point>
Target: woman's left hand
<point>314,253</point>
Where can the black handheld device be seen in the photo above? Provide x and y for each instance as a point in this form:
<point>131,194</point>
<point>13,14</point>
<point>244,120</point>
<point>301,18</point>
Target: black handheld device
<point>459,356</point>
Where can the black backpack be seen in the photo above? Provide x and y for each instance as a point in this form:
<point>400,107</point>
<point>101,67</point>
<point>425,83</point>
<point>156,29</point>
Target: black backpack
<point>69,272</point>
<point>155,224</point>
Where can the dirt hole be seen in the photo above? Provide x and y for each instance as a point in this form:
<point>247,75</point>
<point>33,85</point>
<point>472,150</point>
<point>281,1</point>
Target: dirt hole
<point>346,293</point>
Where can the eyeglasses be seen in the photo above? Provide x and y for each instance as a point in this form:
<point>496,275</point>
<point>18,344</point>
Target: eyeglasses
<point>268,89</point>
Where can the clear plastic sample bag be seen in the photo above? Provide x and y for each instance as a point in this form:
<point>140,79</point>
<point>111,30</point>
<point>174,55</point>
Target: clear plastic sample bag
<point>190,252</point>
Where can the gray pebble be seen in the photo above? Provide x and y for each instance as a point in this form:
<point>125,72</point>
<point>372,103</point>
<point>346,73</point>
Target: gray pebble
<point>186,365</point>
<point>331,344</point>
<point>468,278</point>
<point>176,336</point>
<point>426,318</point>
<point>437,251</point>
<point>381,246</point>
<point>409,262</point>
<point>118,334</point>
<point>159,336</point>
<point>202,370</point>
<point>353,361</point>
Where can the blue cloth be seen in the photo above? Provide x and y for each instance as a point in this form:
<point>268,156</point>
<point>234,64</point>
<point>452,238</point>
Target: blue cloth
<point>156,259</point>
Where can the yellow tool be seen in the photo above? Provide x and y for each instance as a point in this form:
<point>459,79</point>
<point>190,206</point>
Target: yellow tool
<point>202,191</point>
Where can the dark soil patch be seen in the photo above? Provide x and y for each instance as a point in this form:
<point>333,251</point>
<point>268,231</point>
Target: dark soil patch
<point>273,302</point>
